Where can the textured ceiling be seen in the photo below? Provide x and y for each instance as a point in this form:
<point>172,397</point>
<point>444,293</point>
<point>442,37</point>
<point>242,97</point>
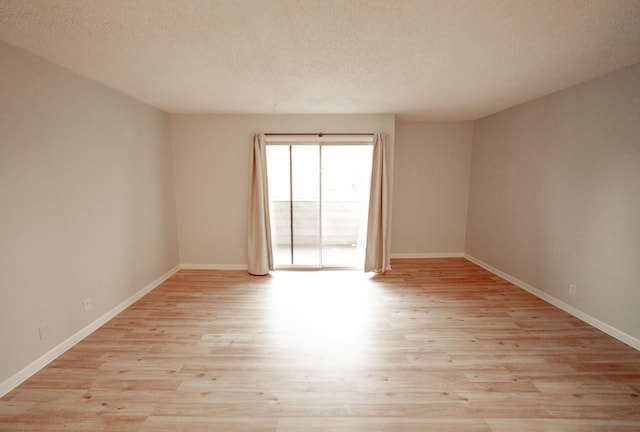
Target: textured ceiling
<point>428,59</point>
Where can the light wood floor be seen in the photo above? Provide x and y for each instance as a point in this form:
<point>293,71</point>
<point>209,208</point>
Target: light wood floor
<point>436,345</point>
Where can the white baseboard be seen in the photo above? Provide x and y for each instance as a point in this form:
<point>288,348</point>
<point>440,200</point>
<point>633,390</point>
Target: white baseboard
<point>22,375</point>
<point>427,255</point>
<point>214,267</point>
<point>600,325</point>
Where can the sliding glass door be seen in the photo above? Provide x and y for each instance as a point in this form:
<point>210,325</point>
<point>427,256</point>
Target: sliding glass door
<point>319,194</point>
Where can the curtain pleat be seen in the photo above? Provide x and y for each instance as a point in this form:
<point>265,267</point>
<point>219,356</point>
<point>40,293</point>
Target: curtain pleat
<point>378,248</point>
<point>259,252</point>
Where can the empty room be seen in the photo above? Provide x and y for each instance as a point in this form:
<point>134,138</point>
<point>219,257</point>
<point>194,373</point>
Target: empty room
<point>320,215</point>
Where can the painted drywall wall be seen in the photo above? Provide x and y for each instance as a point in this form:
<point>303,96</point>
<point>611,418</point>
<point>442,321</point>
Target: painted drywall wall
<point>555,196</point>
<point>212,156</point>
<point>431,185</point>
<point>86,203</point>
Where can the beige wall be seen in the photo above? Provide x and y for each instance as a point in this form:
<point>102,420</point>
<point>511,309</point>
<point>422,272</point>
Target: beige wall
<point>555,196</point>
<point>212,155</point>
<point>431,183</point>
<point>86,199</point>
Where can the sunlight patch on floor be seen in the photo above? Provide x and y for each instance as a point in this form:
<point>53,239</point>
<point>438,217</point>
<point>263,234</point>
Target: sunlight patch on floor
<point>324,313</point>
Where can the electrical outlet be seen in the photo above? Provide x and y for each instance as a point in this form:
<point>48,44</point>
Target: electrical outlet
<point>43,331</point>
<point>86,303</point>
<point>572,289</point>
<point>241,252</point>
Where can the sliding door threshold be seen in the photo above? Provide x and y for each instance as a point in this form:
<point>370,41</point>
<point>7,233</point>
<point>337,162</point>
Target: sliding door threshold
<point>315,268</point>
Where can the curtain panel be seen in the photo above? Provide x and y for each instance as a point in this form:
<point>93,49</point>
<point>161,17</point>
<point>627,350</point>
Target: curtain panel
<point>378,249</point>
<point>259,251</point>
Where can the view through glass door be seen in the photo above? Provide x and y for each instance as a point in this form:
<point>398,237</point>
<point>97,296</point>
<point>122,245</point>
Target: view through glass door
<point>318,201</point>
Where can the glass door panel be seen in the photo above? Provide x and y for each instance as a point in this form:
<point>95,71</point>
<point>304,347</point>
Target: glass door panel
<point>279,179</point>
<point>306,205</point>
<point>346,175</point>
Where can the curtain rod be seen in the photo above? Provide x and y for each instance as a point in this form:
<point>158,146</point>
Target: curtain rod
<point>319,134</point>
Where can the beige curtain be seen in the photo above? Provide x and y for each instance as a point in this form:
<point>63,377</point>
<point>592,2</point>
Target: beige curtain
<point>378,249</point>
<point>259,253</point>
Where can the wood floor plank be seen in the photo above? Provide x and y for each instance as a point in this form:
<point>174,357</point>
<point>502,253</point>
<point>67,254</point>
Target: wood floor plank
<point>434,344</point>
